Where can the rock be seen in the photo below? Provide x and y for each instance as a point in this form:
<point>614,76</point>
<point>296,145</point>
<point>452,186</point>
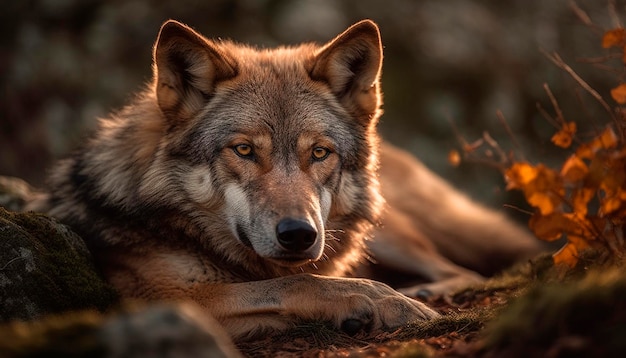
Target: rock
<point>52,298</point>
<point>45,268</point>
<point>173,331</point>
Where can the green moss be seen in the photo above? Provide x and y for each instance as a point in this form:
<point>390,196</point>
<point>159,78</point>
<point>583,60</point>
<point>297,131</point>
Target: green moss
<point>585,315</point>
<point>45,268</point>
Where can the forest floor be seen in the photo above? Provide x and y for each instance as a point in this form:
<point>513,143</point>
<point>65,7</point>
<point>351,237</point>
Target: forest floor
<point>535,309</point>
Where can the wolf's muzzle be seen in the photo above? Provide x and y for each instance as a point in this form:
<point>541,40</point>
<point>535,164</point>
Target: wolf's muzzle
<point>295,235</point>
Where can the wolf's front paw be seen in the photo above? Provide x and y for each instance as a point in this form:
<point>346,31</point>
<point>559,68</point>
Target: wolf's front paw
<point>377,306</point>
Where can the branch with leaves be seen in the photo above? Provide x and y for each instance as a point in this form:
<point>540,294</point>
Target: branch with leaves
<point>585,199</point>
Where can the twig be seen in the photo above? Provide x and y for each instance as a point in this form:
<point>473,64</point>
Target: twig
<point>457,133</point>
<point>583,17</point>
<point>529,213</point>
<point>613,13</point>
<point>546,116</point>
<point>504,159</point>
<point>506,126</point>
<point>590,118</point>
<point>559,113</point>
<point>556,59</point>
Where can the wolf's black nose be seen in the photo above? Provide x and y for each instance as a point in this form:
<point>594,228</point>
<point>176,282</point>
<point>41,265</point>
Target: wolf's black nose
<point>295,235</point>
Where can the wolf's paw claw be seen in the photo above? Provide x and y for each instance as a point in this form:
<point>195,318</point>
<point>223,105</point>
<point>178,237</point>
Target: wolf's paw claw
<point>424,294</point>
<point>352,326</point>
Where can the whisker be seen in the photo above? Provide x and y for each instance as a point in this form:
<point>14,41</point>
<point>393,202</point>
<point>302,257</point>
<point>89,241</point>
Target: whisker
<point>335,230</point>
<point>330,247</point>
<point>330,236</point>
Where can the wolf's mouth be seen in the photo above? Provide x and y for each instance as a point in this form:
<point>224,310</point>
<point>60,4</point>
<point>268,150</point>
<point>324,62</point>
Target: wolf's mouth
<point>285,259</point>
<point>241,234</point>
<point>290,261</point>
<point>282,257</point>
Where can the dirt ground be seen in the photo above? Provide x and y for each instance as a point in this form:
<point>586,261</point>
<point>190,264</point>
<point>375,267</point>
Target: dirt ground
<point>536,309</point>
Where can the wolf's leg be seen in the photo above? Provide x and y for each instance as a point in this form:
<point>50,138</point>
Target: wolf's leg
<point>249,308</point>
<point>349,304</point>
<point>434,231</point>
<point>401,248</point>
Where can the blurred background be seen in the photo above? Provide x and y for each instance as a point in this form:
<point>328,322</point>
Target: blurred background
<point>449,66</point>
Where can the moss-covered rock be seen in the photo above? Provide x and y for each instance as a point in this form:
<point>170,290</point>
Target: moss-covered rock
<point>51,292</point>
<point>582,317</point>
<point>180,330</point>
<point>45,268</point>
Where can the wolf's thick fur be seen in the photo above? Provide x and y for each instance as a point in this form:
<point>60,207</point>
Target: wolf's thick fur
<point>246,180</point>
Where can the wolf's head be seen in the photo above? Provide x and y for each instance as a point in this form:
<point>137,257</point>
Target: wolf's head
<point>281,142</point>
<point>271,153</point>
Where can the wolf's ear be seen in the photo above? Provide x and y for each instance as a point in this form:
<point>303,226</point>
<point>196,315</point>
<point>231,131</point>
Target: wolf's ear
<point>351,65</point>
<point>186,68</point>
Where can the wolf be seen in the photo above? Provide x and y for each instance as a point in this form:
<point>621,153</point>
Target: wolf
<point>249,181</point>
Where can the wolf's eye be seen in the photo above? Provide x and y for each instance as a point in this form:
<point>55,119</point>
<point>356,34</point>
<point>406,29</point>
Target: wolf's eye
<point>243,150</point>
<point>320,153</point>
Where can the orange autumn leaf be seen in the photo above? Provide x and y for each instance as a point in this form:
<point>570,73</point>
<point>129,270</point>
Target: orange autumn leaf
<point>541,185</point>
<point>519,175</point>
<point>545,192</point>
<point>611,174</point>
<point>584,151</point>
<point>606,140</point>
<point>610,205</point>
<point>619,93</point>
<point>546,202</point>
<point>548,227</point>
<point>551,227</point>
<point>582,227</point>
<point>574,169</point>
<point>612,202</point>
<point>580,200</point>
<point>563,138</point>
<point>569,254</point>
<point>613,38</point>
